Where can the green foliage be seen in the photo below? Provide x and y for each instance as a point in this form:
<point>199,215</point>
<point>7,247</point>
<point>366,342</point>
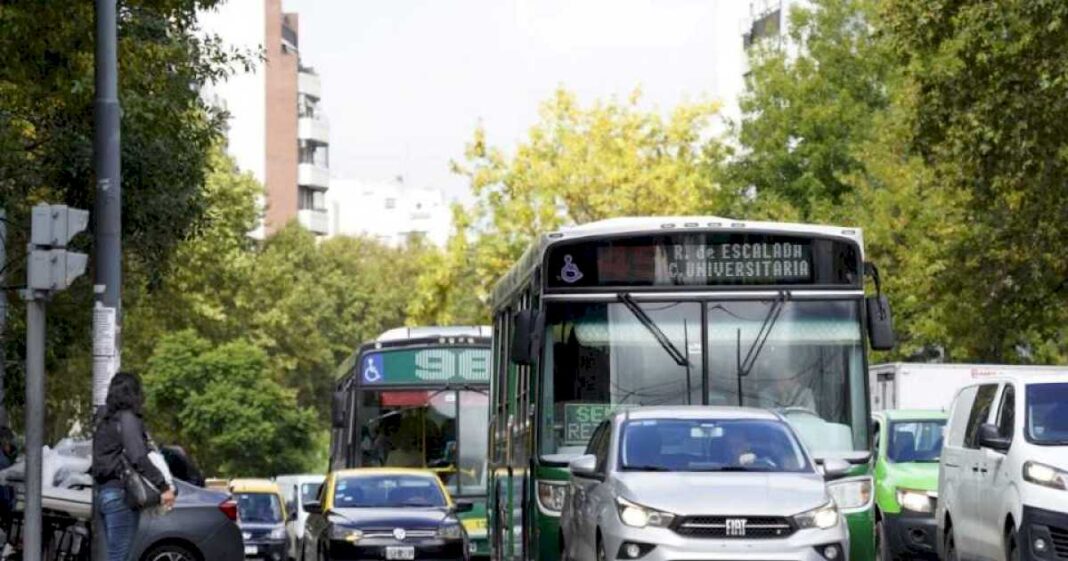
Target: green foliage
<point>220,401</point>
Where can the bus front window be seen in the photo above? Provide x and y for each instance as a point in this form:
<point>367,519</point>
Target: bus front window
<point>802,358</point>
<point>471,468</point>
<point>601,356</point>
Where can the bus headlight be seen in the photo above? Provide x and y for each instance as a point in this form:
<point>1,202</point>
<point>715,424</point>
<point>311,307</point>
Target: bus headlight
<point>1047,476</point>
<point>916,501</point>
<point>638,516</point>
<point>851,494</point>
<point>823,517</point>
<point>551,496</point>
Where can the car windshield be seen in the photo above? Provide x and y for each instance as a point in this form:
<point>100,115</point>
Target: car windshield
<point>709,445</point>
<point>1047,413</point>
<point>388,491</point>
<point>915,441</point>
<point>258,508</point>
<point>309,492</point>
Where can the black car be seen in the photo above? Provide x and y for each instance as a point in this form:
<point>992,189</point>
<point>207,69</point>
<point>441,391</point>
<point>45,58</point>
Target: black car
<point>384,515</point>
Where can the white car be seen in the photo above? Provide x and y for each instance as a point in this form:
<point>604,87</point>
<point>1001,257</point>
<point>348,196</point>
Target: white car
<point>298,491</point>
<point>700,483</point>
<point>1003,478</point>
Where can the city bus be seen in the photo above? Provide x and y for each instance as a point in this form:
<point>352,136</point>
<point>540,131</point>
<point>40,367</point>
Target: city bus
<point>418,397</point>
<point>635,312</point>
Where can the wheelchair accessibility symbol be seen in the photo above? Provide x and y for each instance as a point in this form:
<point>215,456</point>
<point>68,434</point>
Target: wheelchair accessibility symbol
<point>372,369</point>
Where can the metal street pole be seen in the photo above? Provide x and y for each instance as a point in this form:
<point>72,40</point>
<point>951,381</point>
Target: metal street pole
<point>32,528</point>
<point>107,213</point>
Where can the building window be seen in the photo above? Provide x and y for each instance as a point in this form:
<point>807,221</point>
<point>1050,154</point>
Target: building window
<point>310,199</point>
<point>311,153</point>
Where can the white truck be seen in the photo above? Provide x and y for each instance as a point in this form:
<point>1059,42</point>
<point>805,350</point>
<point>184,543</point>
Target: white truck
<point>921,385</point>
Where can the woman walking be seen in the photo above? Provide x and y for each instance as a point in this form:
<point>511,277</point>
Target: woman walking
<point>120,440</point>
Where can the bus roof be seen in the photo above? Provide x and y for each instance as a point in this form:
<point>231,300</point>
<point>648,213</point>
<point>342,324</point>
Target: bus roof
<point>535,253</point>
<point>403,333</point>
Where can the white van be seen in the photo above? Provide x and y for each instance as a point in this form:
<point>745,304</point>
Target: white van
<point>1003,478</point>
<point>298,490</point>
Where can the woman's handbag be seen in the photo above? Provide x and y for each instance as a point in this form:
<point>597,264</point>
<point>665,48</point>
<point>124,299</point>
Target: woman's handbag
<point>140,492</point>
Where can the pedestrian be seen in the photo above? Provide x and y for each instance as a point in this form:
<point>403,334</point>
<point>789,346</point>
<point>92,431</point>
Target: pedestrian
<point>120,439</point>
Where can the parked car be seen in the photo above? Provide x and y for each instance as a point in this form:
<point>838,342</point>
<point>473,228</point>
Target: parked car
<point>395,514</point>
<point>201,526</point>
<point>667,483</point>
<point>1003,483</point>
<point>298,490</point>
<point>906,450</point>
<point>262,516</point>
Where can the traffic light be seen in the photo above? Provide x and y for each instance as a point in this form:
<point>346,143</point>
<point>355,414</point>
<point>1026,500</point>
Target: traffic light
<point>51,267</point>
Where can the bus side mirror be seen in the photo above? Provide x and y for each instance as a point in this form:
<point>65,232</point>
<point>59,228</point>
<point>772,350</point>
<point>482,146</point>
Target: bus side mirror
<point>880,323</point>
<point>524,334</point>
<point>338,410</point>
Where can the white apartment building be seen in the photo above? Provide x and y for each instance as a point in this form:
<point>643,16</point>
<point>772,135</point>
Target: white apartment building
<point>390,211</point>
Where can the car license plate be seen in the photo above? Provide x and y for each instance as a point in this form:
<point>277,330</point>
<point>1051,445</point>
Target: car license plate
<point>400,553</point>
<point>251,550</point>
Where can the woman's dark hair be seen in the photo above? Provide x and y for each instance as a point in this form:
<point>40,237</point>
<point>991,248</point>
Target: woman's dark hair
<point>124,393</point>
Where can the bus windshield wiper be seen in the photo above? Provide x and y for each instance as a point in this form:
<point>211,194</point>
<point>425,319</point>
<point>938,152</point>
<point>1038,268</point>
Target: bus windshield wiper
<point>651,326</point>
<point>745,366</point>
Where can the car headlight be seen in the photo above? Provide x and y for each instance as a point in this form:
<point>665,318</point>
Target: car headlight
<point>343,533</point>
<point>450,532</point>
<point>916,501</point>
<point>1047,476</point>
<point>851,494</point>
<point>823,517</point>
<point>551,496</point>
<point>639,516</point>
<point>278,533</point>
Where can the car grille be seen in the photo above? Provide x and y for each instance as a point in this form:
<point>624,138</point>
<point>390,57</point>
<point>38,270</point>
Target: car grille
<point>1060,541</point>
<point>734,527</point>
<point>256,534</point>
<point>408,534</point>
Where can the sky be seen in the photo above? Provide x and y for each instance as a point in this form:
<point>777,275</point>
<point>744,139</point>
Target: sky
<point>405,82</point>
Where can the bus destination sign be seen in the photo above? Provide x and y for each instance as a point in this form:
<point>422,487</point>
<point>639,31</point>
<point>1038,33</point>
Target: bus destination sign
<point>424,366</point>
<point>703,260</point>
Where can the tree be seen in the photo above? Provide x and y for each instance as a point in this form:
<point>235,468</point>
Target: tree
<point>221,402</point>
<point>578,164</point>
<point>991,82</point>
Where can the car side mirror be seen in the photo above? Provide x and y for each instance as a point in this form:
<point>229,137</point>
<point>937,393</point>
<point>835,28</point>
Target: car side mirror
<point>338,410</point>
<point>313,507</point>
<point>880,323</point>
<point>833,468</point>
<point>463,506</point>
<point>525,331</point>
<point>990,437</point>
<point>584,466</point>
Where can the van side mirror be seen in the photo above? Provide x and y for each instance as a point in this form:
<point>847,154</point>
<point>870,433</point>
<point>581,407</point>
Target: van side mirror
<point>880,323</point>
<point>338,410</point>
<point>525,333</point>
<point>833,468</point>
<point>990,437</point>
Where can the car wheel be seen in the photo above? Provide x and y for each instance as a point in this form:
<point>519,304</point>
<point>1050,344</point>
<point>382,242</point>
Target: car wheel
<point>882,545</point>
<point>170,553</point>
<point>951,547</point>
<point>1012,549</point>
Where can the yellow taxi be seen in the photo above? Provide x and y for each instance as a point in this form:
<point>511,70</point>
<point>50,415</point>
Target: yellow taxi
<point>262,517</point>
<point>395,514</point>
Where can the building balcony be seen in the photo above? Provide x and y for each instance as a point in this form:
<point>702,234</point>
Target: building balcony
<point>315,221</point>
<point>309,84</point>
<point>313,176</point>
<point>314,129</point>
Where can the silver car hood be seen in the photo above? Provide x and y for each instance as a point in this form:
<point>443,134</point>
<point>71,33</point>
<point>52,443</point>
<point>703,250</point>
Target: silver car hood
<point>746,494</point>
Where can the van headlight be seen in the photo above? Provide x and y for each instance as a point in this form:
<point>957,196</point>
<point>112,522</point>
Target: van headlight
<point>450,532</point>
<point>278,533</point>
<point>551,496</point>
<point>916,501</point>
<point>823,517</point>
<point>1047,476</point>
<point>851,494</point>
<point>638,516</point>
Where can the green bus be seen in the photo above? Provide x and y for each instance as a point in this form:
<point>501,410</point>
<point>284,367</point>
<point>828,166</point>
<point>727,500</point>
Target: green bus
<point>419,397</point>
<point>633,312</point>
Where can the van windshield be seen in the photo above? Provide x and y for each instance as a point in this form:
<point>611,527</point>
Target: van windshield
<point>915,441</point>
<point>1047,413</point>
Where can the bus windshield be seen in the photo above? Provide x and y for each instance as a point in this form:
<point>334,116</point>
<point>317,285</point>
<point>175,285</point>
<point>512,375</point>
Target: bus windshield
<point>803,358</point>
<point>418,428</point>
